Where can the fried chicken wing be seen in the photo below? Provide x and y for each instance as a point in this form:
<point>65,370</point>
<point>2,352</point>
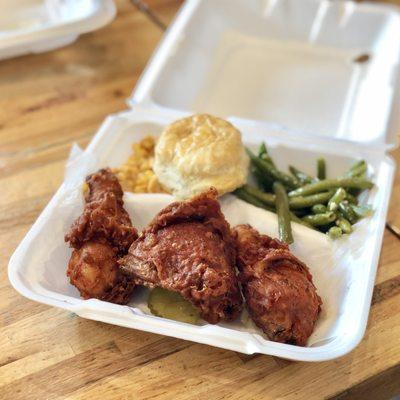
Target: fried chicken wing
<point>188,248</point>
<point>280,295</point>
<point>104,217</point>
<point>101,235</point>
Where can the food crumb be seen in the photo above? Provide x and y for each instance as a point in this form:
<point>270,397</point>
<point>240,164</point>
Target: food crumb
<point>362,58</point>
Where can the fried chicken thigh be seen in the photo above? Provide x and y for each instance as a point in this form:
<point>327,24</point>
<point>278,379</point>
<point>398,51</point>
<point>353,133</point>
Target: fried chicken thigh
<point>280,295</point>
<point>101,235</point>
<point>188,248</point>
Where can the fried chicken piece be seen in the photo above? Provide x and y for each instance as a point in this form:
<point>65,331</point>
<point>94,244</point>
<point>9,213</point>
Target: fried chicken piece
<point>280,295</point>
<point>188,248</point>
<point>101,235</point>
<point>94,270</point>
<point>104,217</point>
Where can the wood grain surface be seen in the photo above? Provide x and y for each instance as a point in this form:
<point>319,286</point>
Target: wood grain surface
<point>51,100</point>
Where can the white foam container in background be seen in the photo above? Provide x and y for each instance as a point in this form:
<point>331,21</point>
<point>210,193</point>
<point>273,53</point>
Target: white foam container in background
<point>282,71</point>
<point>36,26</point>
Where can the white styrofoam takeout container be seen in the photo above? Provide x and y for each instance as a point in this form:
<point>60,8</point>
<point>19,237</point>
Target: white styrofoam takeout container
<point>282,71</point>
<point>36,26</point>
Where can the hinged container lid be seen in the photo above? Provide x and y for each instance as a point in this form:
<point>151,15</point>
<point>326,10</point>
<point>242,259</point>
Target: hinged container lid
<point>315,67</point>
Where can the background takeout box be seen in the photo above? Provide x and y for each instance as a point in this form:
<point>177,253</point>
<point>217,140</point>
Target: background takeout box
<point>36,26</point>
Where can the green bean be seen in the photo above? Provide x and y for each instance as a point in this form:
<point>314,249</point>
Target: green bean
<point>347,212</point>
<point>344,225</point>
<point>262,150</point>
<point>320,219</point>
<point>354,192</point>
<point>272,172</point>
<point>356,169</point>
<point>266,158</point>
<point>362,211</point>
<point>351,199</point>
<point>339,196</point>
<point>308,201</point>
<point>360,172</point>
<point>361,164</point>
<point>327,205</point>
<point>328,184</point>
<point>357,164</point>
<point>325,228</point>
<point>282,209</point>
<point>248,198</point>
<point>243,195</point>
<point>301,212</point>
<point>302,177</point>
<point>263,154</point>
<point>295,203</point>
<point>295,218</point>
<point>335,232</point>
<point>319,209</point>
<point>266,198</point>
<point>321,168</point>
<point>263,181</point>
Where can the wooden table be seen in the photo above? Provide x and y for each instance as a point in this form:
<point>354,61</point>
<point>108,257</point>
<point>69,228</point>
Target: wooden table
<point>49,101</point>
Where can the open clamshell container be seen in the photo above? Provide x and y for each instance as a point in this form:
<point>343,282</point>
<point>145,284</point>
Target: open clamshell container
<point>36,26</point>
<point>311,78</point>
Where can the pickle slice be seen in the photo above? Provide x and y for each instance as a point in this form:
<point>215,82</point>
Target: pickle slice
<point>171,305</point>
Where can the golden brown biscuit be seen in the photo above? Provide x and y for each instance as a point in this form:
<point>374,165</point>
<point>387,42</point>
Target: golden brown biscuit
<point>199,152</point>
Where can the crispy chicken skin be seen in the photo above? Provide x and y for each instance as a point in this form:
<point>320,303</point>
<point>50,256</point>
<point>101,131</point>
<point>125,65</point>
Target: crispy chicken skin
<point>188,248</point>
<point>104,217</point>
<point>280,295</point>
<point>101,235</point>
<point>94,270</point>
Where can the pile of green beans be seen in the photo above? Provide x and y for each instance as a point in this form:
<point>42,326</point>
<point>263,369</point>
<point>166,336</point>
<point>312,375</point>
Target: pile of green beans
<point>328,205</point>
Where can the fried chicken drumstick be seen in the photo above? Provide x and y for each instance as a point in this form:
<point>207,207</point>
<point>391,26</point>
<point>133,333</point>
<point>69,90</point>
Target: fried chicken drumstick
<point>101,235</point>
<point>280,295</point>
<point>188,248</point>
